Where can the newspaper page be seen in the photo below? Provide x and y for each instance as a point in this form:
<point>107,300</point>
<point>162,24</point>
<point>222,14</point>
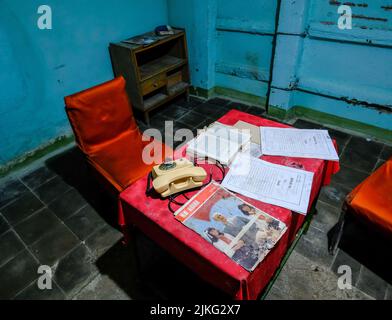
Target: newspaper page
<point>301,143</point>
<point>235,227</point>
<point>271,183</point>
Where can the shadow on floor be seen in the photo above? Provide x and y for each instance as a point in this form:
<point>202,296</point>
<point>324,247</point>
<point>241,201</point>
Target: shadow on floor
<point>73,169</point>
<point>159,277</point>
<point>369,247</point>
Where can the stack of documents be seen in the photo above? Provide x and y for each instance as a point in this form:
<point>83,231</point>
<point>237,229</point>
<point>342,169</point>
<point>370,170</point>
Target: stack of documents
<point>218,142</point>
<point>254,148</point>
<point>301,143</point>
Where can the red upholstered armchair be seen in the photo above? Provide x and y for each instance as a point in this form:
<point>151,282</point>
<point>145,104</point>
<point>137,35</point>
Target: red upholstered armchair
<point>106,132</point>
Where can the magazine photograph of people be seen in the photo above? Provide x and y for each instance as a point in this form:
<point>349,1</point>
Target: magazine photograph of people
<point>240,230</point>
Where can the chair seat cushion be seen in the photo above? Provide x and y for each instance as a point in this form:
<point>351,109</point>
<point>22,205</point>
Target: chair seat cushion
<point>373,197</point>
<point>128,159</point>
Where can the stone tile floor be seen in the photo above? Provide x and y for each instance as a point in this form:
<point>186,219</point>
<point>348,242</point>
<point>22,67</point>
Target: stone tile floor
<point>52,213</point>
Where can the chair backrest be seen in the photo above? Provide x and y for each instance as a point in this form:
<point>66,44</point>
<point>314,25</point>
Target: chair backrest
<point>100,114</point>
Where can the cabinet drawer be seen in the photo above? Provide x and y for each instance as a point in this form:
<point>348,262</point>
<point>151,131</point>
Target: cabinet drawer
<point>174,78</point>
<point>153,84</point>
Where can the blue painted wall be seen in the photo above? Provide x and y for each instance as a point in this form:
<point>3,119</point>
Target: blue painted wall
<point>230,46</point>
<point>352,64</point>
<point>40,67</point>
<point>244,45</point>
<point>312,53</point>
<point>198,17</point>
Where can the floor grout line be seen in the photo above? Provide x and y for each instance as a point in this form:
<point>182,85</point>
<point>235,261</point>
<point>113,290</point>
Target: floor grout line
<point>40,238</point>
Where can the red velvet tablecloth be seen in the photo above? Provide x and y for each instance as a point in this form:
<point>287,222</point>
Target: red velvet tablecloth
<point>152,216</point>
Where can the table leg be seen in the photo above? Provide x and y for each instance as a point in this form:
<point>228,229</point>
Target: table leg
<point>337,232</point>
<point>130,236</point>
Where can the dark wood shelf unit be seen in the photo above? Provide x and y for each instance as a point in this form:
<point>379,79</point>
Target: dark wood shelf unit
<point>155,74</point>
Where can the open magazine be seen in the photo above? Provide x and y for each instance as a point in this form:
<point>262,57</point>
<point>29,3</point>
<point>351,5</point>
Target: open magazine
<point>235,227</point>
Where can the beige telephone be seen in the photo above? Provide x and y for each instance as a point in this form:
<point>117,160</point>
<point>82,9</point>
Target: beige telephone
<point>175,176</point>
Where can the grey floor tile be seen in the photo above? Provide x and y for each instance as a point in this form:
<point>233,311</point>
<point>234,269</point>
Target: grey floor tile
<point>192,103</point>
<point>371,284</point>
<point>10,246</point>
<point>303,124</point>
<point>219,101</point>
<point>75,271</point>
<point>365,147</point>
<point>343,259</point>
<point>277,294</point>
<point>67,204</point>
<point>341,138</point>
<point>4,226</point>
<point>349,177</point>
<point>211,110</point>
<point>21,208</point>
<point>85,222</point>
<point>182,133</point>
<point>52,189</point>
<point>205,123</point>
<point>219,113</point>
<point>17,274</point>
<point>192,119</point>
<point>102,240</point>
<point>37,177</point>
<point>334,195</point>
<point>256,111</point>
<point>378,164</point>
<point>354,159</point>
<point>178,125</point>
<point>37,225</point>
<point>118,264</point>
<point>301,279</point>
<point>10,190</point>
<point>102,288</point>
<point>174,111</point>
<point>158,121</point>
<point>32,292</point>
<point>327,216</point>
<point>238,106</point>
<point>314,246</point>
<point>386,152</point>
<point>388,295</point>
<point>54,245</point>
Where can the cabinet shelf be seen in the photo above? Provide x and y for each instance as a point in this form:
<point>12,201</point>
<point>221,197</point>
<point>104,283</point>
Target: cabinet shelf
<point>180,86</point>
<point>158,66</point>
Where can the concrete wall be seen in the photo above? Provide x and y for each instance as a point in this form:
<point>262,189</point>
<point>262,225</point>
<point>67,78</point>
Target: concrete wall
<point>40,67</point>
<point>339,72</point>
<point>244,45</point>
<point>318,67</point>
<point>198,17</point>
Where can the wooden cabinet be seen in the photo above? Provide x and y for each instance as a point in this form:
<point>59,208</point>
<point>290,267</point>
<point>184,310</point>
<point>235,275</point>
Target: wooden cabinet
<point>155,74</point>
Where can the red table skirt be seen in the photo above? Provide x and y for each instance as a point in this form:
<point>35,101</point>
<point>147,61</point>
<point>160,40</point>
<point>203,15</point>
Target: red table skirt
<point>152,216</point>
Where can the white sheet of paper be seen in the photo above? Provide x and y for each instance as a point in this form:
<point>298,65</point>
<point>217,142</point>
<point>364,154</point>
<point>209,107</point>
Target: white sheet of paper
<point>253,149</point>
<point>301,143</point>
<point>254,130</point>
<point>271,183</point>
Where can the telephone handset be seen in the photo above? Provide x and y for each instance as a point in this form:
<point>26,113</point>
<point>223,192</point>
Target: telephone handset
<point>175,176</point>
